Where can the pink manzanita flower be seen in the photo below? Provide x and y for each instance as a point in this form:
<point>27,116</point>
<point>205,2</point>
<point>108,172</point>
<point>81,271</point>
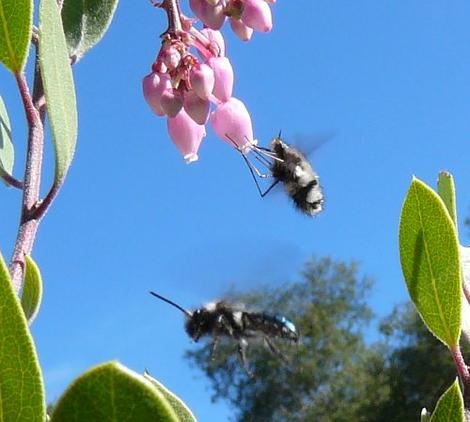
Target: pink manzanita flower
<point>241,30</point>
<point>257,15</point>
<point>232,123</point>
<point>171,102</point>
<point>216,39</point>
<point>153,86</point>
<point>196,107</point>
<point>202,80</point>
<point>212,15</point>
<point>223,73</point>
<point>186,134</point>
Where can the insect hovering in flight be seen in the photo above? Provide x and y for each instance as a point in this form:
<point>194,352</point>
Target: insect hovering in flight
<point>222,319</point>
<point>289,166</point>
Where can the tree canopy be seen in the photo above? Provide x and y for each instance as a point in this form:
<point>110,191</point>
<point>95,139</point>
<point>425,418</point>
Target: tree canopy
<point>335,373</point>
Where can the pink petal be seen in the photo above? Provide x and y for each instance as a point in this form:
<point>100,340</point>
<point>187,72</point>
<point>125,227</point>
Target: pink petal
<point>153,86</point>
<point>223,73</point>
<point>232,123</point>
<point>243,32</point>
<point>202,80</point>
<point>215,37</point>
<point>212,16</point>
<point>196,107</point>
<point>186,134</point>
<point>257,15</point>
<point>171,102</point>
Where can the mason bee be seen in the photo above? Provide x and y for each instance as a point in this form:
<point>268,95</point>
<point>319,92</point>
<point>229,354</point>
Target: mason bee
<point>222,319</point>
<point>289,166</point>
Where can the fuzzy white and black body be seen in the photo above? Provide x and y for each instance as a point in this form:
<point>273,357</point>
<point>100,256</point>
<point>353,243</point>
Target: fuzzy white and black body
<point>222,319</point>
<point>300,181</point>
<point>289,166</point>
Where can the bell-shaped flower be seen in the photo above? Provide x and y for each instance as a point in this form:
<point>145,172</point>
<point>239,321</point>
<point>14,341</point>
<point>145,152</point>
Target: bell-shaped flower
<point>216,39</point>
<point>241,30</point>
<point>257,15</point>
<point>223,74</point>
<point>186,134</point>
<point>196,107</point>
<point>232,123</point>
<point>153,85</point>
<point>172,102</point>
<point>211,15</point>
<point>202,80</point>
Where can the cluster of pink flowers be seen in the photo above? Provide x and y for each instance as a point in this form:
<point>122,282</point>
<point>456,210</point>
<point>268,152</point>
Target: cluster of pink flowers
<point>183,85</point>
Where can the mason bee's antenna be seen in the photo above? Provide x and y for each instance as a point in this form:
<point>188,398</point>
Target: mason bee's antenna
<point>185,311</point>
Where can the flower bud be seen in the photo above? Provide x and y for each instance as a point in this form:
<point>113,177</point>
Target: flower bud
<point>232,123</point>
<point>171,57</point>
<point>223,74</point>
<point>202,80</point>
<point>211,15</point>
<point>196,107</point>
<point>257,15</point>
<point>241,30</point>
<point>153,85</point>
<point>171,102</point>
<point>186,134</point>
<point>216,39</point>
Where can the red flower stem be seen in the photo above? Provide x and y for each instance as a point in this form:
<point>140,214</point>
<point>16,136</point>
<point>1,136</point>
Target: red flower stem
<point>462,370</point>
<point>32,178</point>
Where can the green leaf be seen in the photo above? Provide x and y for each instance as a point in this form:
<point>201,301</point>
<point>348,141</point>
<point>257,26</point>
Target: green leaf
<point>32,290</point>
<point>7,153</point>
<point>430,261</point>
<point>111,392</point>
<point>449,408</point>
<point>180,408</point>
<point>16,17</point>
<point>85,23</point>
<point>21,387</point>
<point>446,190</point>
<point>58,86</point>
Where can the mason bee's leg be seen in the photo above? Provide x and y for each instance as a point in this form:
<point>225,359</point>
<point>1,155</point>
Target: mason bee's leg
<point>215,341</point>
<point>274,350</point>
<point>242,345</point>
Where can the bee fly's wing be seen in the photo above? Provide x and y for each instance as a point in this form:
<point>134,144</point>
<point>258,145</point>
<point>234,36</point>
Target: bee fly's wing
<point>308,144</point>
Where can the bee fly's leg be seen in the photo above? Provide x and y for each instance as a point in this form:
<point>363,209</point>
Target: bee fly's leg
<point>242,345</point>
<point>274,350</point>
<point>269,189</point>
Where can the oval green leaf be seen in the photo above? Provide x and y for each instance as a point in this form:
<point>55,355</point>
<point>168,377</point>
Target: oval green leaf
<point>446,190</point>
<point>58,86</point>
<point>112,393</point>
<point>182,411</point>
<point>32,290</point>
<point>430,261</point>
<point>7,152</point>
<point>85,23</point>
<point>449,408</point>
<point>16,17</point>
<point>21,386</point>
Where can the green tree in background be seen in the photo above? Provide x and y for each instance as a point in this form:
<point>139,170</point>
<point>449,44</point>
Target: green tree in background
<point>334,374</point>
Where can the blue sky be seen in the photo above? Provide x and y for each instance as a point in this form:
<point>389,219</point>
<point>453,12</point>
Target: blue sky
<point>391,80</point>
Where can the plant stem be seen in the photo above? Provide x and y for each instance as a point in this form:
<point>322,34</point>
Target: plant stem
<point>172,9</point>
<point>29,220</point>
<point>463,372</point>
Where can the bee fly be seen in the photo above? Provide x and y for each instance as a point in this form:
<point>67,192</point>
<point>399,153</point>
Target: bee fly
<point>221,319</point>
<point>287,165</point>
